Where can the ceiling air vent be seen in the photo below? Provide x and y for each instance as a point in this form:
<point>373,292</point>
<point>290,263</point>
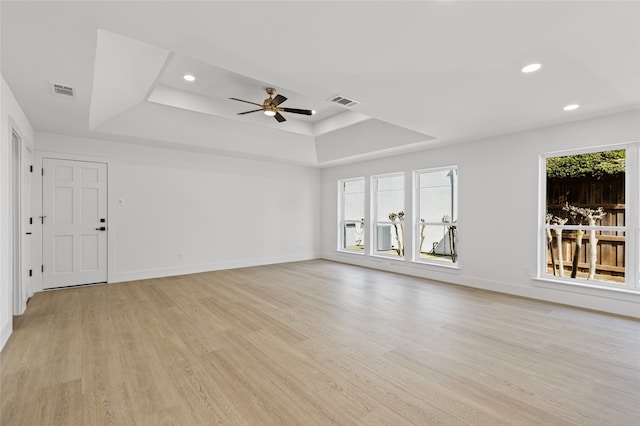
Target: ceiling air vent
<point>339,99</point>
<point>62,90</point>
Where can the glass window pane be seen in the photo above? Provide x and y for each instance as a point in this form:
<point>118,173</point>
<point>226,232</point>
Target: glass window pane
<point>570,254</point>
<point>437,204</point>
<point>352,221</point>
<point>354,206</point>
<point>354,186</point>
<point>588,181</point>
<point>390,196</point>
<point>437,242</point>
<point>437,196</point>
<point>354,233</point>
<point>589,190</point>
<point>390,239</point>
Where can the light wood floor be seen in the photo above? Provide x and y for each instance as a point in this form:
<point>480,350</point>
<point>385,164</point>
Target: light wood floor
<point>314,343</point>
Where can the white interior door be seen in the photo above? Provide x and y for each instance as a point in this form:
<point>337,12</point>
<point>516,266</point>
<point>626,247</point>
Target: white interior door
<point>74,230</point>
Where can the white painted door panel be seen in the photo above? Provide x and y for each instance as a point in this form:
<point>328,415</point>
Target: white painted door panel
<point>74,203</point>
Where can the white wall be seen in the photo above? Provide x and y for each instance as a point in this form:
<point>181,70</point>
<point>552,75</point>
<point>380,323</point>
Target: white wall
<point>498,209</point>
<point>217,212</point>
<point>11,118</point>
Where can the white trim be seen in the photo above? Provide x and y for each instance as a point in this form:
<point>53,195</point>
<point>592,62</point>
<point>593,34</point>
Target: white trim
<point>587,150</point>
<point>415,258</point>
<point>438,223</point>
<point>587,227</point>
<point>632,201</point>
<point>434,169</point>
<point>66,156</point>
<point>5,333</point>
<point>21,290</point>
<point>36,208</point>
<point>357,252</point>
<point>388,256</point>
<point>631,228</point>
<point>590,289</point>
<point>208,267</point>
<point>542,239</point>
<point>17,228</point>
<point>341,220</point>
<point>582,282</point>
<point>438,263</point>
<point>373,208</point>
<point>349,253</point>
<point>571,296</point>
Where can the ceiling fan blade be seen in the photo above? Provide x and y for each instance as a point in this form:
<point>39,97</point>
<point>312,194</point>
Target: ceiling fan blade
<point>278,100</point>
<point>298,111</point>
<point>279,117</point>
<point>240,100</point>
<point>247,112</point>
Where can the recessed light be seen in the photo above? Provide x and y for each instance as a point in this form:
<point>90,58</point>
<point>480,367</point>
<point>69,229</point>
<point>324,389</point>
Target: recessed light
<point>571,107</point>
<point>189,77</point>
<point>313,111</point>
<point>531,68</point>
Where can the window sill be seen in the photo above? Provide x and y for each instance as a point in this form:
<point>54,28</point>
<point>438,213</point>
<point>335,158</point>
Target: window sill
<point>589,289</point>
<point>455,266</point>
<point>357,253</point>
<point>382,257</point>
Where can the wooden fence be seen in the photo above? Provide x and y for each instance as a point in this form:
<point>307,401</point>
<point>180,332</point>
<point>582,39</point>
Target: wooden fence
<point>606,192</point>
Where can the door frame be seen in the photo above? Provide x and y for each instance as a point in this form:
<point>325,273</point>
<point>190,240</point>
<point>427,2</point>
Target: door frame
<point>20,259</point>
<point>37,206</point>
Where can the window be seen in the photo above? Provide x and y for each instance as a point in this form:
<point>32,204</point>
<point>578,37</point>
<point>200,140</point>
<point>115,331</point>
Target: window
<point>436,208</point>
<point>588,237</point>
<point>352,230</point>
<point>388,215</point>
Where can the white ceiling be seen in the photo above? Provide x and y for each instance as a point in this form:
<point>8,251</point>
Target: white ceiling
<point>426,73</point>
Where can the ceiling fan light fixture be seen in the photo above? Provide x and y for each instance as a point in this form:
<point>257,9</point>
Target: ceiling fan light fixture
<point>189,77</point>
<point>271,106</point>
<point>531,68</point>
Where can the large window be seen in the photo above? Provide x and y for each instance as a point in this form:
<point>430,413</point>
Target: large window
<point>352,230</point>
<point>436,226</point>
<point>589,236</point>
<point>388,214</point>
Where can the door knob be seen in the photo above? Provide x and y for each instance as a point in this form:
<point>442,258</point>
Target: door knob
<point>102,228</point>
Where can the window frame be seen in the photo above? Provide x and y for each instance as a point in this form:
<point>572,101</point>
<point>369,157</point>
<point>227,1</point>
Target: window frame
<point>631,227</point>
<point>373,235</point>
<point>416,217</point>
<point>342,221</point>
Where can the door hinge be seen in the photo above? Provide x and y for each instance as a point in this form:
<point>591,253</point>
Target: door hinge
<point>41,268</point>
<point>42,171</point>
<point>31,169</point>
<point>30,221</point>
<point>30,272</point>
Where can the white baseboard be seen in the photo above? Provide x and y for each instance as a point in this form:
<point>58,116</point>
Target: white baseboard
<point>217,266</point>
<point>5,333</point>
<point>619,304</point>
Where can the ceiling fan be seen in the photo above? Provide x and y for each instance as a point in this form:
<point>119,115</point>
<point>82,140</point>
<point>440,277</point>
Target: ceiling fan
<point>271,107</point>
